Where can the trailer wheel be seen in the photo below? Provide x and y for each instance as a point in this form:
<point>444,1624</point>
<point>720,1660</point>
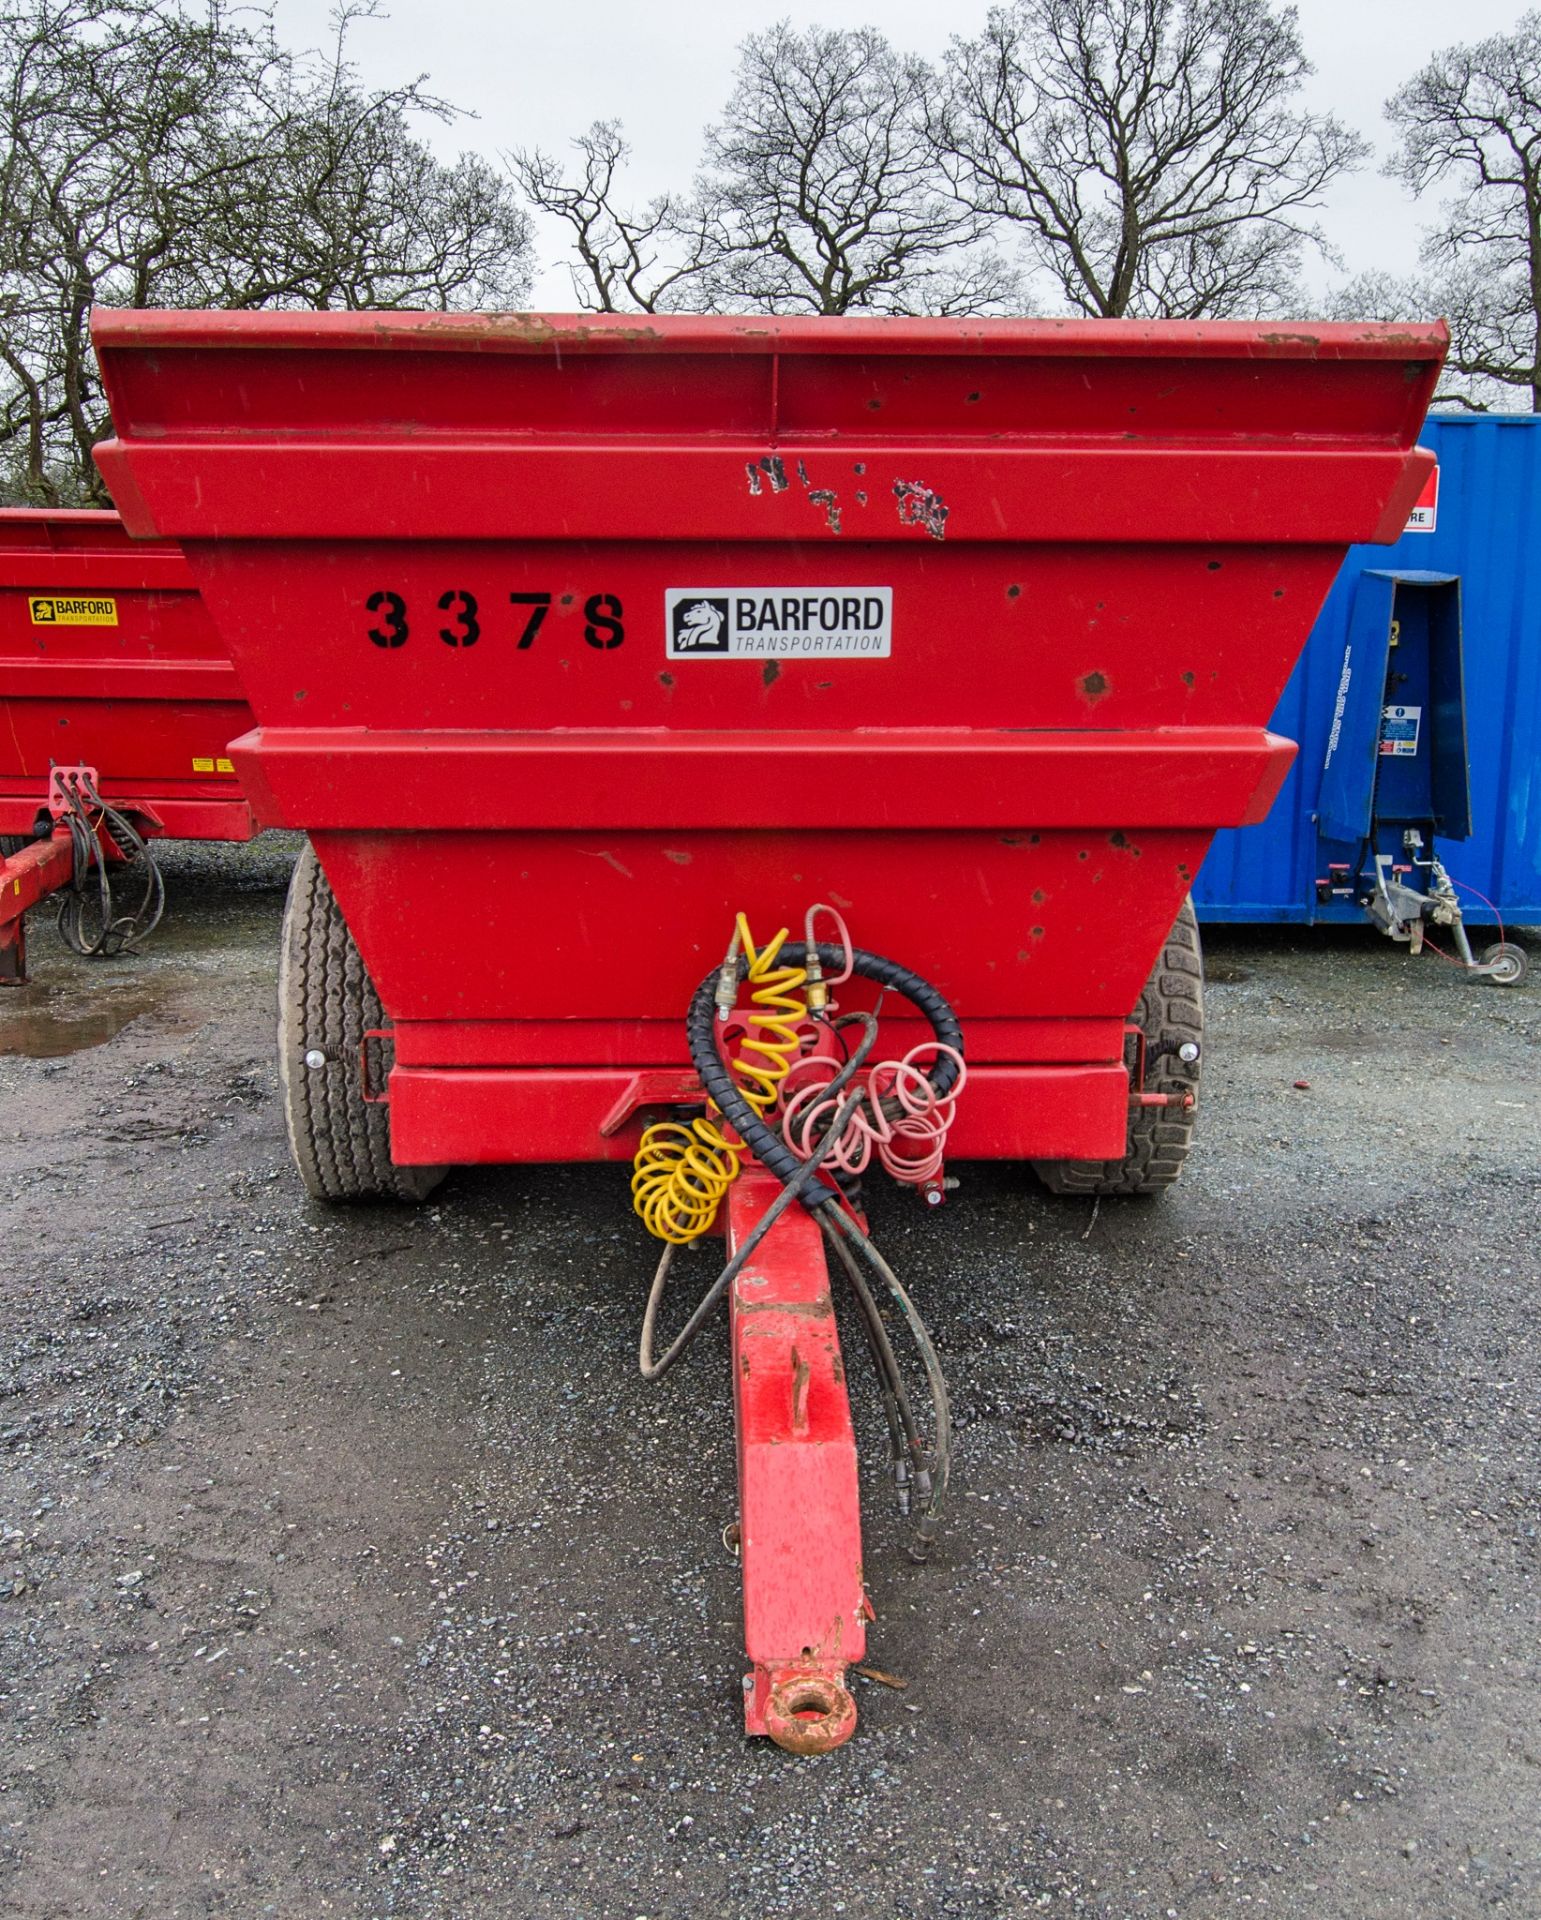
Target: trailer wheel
<point>1170,1014</point>
<point>341,1142</point>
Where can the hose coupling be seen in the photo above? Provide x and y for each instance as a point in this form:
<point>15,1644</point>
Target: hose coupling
<point>902,1478</point>
<point>924,1538</point>
<point>726,996</point>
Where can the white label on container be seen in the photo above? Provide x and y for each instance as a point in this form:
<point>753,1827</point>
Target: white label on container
<point>1399,731</point>
<point>1426,509</point>
<point>779,623</point>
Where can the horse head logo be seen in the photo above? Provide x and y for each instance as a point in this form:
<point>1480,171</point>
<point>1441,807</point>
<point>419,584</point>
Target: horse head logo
<point>698,627</point>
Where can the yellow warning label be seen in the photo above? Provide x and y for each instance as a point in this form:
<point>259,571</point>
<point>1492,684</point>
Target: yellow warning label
<point>220,765</point>
<point>224,766</point>
<point>61,610</point>
<point>203,766</point>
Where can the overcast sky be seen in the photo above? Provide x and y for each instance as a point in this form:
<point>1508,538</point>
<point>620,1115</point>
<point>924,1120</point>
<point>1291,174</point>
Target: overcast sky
<point>535,76</point>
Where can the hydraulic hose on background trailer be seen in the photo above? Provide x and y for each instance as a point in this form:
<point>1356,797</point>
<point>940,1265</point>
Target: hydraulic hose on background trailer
<point>117,931</point>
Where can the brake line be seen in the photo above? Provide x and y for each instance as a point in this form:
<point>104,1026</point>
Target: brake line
<point>794,1189</point>
<point>921,1475</point>
<point>118,932</point>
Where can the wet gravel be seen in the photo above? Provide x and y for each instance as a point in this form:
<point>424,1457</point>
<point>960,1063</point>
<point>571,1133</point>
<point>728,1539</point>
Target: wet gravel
<point>346,1567</point>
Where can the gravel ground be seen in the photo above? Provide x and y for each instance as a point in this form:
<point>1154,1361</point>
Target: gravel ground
<point>346,1567</point>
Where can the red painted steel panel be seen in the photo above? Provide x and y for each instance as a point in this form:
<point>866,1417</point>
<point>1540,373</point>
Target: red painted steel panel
<point>661,1043</point>
<point>451,557</point>
<point>890,778</point>
<point>489,1116</point>
<point>545,926</point>
<point>621,493</point>
<point>142,689</point>
<point>1039,637</point>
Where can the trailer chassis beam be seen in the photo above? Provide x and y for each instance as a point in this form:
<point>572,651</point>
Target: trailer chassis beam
<point>805,1604</point>
<point>40,868</point>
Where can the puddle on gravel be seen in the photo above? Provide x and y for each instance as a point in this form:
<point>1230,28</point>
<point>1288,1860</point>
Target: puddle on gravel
<point>46,1023</point>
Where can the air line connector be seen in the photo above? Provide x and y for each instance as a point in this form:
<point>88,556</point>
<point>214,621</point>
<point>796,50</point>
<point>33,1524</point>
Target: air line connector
<point>817,987</point>
<point>816,992</point>
<point>726,996</point>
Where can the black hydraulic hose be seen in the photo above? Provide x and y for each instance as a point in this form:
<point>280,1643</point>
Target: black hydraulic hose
<point>931,1472</point>
<point>117,932</point>
<point>912,1466</point>
<point>767,1146</point>
<point>805,1174</point>
<point>841,1223</point>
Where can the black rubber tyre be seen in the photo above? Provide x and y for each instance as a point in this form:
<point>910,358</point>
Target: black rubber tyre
<point>341,1142</point>
<point>1511,962</point>
<point>1170,1014</point>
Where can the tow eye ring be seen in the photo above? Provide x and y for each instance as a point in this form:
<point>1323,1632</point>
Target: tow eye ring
<point>810,1713</point>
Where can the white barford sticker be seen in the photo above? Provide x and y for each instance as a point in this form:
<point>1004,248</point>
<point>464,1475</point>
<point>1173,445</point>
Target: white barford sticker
<point>779,623</point>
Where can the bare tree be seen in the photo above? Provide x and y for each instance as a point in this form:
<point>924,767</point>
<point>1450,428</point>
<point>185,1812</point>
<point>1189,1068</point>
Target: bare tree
<point>1150,152</point>
<point>154,154</point>
<point>1471,119</point>
<point>647,262</point>
<point>821,192</point>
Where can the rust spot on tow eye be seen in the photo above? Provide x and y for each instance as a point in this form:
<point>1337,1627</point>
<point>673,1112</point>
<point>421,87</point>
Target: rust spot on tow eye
<point>1093,686</point>
<point>921,506</point>
<point>666,679</point>
<point>1122,841</point>
<point>1013,592</point>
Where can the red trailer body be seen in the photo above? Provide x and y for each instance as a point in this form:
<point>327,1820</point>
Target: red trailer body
<point>566,638</point>
<point>108,659</point>
<point>454,557</point>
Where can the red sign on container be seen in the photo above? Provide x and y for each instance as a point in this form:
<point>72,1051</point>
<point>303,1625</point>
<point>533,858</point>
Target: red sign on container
<point>1421,519</point>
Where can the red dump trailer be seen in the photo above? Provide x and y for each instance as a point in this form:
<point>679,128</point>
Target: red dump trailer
<point>571,639</point>
<point>117,701</point>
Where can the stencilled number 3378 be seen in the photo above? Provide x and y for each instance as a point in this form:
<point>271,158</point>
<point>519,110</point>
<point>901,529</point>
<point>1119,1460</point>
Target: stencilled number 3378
<point>458,620</point>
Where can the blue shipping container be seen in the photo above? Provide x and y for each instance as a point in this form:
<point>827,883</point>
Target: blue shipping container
<point>1487,531</point>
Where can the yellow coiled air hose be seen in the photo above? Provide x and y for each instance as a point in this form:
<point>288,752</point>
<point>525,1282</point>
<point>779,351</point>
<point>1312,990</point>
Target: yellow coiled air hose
<point>681,1172</point>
